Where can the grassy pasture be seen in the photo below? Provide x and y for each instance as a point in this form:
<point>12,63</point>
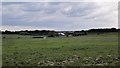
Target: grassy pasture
<point>92,49</point>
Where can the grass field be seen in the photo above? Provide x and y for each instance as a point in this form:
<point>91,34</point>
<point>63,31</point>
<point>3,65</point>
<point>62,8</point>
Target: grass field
<point>92,49</point>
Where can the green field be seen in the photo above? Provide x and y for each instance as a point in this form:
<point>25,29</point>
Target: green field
<point>91,49</point>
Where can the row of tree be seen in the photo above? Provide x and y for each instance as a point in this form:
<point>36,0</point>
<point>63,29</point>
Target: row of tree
<point>57,33</point>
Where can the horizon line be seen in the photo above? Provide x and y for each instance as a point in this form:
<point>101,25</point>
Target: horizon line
<point>56,30</point>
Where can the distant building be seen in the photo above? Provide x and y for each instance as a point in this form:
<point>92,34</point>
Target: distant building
<point>61,34</point>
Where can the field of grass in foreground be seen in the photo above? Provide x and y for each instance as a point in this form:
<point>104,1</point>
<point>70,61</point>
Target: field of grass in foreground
<point>93,49</point>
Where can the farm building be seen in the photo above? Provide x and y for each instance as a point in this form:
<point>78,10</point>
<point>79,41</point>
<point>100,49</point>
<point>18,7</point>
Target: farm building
<point>61,34</point>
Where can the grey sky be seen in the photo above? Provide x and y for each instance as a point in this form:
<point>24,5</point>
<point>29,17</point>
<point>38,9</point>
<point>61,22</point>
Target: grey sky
<point>59,15</point>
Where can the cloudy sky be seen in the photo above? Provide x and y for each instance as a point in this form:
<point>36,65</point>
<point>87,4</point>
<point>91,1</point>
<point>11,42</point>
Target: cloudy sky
<point>59,15</point>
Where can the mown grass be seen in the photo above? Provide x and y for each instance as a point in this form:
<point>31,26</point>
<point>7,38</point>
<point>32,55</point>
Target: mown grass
<point>86,50</point>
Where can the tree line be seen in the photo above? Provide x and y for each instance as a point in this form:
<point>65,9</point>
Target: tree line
<point>57,33</point>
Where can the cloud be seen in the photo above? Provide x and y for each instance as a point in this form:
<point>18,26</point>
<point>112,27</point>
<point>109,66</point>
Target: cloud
<point>59,15</point>
<point>60,0</point>
<point>0,15</point>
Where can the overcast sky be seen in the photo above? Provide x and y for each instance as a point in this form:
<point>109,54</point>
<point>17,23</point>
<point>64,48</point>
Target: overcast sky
<point>59,15</point>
